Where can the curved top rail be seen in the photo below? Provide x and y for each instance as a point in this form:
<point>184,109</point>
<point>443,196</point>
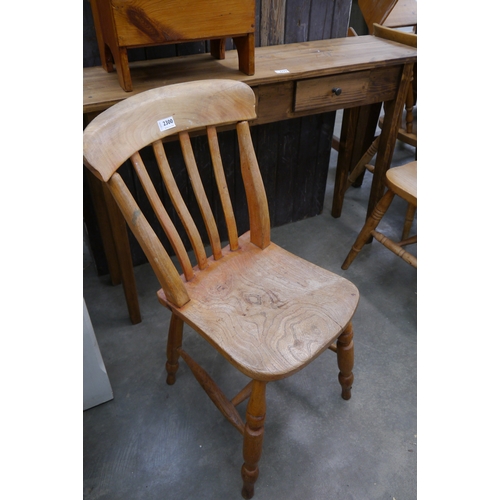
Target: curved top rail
<point>117,133</point>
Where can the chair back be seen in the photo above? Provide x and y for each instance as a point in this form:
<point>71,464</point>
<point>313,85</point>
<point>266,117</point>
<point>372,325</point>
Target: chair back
<point>375,11</point>
<point>395,35</point>
<point>124,131</point>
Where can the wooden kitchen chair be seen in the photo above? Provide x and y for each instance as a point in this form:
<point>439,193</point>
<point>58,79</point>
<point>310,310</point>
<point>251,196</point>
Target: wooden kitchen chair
<point>408,130</point>
<point>401,181</point>
<point>406,133</point>
<point>266,311</point>
<point>375,11</point>
<point>390,13</point>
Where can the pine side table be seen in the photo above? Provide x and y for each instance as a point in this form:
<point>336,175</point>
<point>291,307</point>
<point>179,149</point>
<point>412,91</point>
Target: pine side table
<point>125,24</point>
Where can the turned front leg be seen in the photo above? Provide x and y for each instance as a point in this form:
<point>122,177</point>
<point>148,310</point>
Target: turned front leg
<point>409,217</point>
<point>173,343</point>
<point>371,224</point>
<point>253,437</point>
<point>345,360</point>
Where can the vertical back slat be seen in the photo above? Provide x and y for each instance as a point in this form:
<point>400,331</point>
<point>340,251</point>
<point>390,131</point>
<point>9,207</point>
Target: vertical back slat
<point>201,197</point>
<point>220,178</point>
<point>161,263</point>
<point>162,215</point>
<point>260,227</point>
<point>180,205</point>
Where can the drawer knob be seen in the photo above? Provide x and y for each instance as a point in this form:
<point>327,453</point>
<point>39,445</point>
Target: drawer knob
<point>337,90</point>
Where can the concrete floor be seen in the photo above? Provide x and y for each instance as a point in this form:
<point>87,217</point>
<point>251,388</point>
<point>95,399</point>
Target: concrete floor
<point>154,441</point>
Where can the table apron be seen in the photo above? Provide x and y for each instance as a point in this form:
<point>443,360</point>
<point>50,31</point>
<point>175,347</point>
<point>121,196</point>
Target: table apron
<point>294,99</point>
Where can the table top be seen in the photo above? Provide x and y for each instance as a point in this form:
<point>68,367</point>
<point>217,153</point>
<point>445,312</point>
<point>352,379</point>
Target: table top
<point>273,64</point>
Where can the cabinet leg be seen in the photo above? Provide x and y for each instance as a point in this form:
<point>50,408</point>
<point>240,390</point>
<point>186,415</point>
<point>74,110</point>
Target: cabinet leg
<point>246,53</point>
<point>123,70</point>
<point>218,48</point>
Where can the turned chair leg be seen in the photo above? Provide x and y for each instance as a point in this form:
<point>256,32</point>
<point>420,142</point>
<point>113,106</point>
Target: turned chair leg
<point>410,215</point>
<point>253,437</point>
<point>345,360</point>
<point>370,225</point>
<point>174,342</point>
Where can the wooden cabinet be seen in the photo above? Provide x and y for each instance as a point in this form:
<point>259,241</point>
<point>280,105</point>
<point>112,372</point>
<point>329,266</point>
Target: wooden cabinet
<point>126,24</point>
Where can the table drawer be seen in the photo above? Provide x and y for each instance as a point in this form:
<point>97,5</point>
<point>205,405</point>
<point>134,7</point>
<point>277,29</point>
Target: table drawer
<point>344,91</point>
<point>318,92</point>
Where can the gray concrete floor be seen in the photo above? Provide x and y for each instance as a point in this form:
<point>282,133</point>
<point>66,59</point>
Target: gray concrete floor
<point>154,441</point>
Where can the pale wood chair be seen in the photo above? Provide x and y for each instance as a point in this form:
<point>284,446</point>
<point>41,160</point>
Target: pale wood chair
<point>401,181</point>
<point>266,311</point>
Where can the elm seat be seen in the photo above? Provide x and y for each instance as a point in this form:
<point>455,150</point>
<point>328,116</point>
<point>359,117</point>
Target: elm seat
<point>266,311</point>
<point>252,301</point>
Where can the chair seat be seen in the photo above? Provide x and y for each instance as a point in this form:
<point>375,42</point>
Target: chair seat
<point>268,311</point>
<point>403,181</point>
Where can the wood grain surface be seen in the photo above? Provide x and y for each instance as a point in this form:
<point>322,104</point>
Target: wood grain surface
<point>267,311</point>
<point>311,59</point>
<point>111,138</point>
<point>403,181</point>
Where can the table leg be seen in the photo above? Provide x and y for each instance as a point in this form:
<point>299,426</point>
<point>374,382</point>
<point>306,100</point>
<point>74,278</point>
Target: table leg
<point>122,246</point>
<point>101,211</point>
<point>392,121</point>
<point>116,244</point>
<point>113,229</point>
<point>358,131</point>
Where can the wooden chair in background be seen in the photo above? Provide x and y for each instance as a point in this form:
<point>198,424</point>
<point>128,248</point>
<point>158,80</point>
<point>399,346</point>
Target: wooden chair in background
<point>401,181</point>
<point>385,19</point>
<point>382,18</point>
<point>389,13</point>
<point>406,133</point>
<point>375,11</point>
<point>402,15</point>
<point>266,311</point>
